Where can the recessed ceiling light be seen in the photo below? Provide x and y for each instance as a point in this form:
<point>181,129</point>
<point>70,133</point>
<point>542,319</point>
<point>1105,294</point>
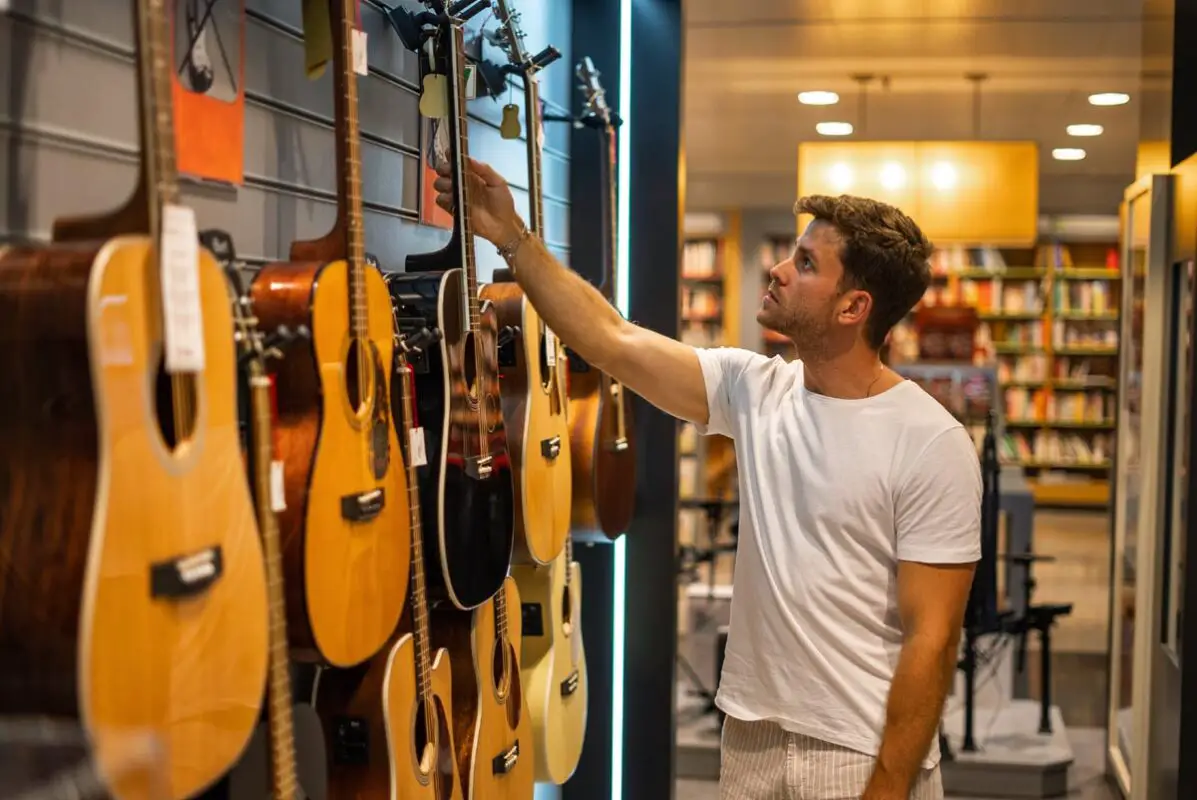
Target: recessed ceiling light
<point>818,98</point>
<point>834,128</point>
<point>841,176</point>
<point>1068,154</point>
<point>943,175</point>
<point>893,176</point>
<point>1109,99</point>
<point>1085,129</point>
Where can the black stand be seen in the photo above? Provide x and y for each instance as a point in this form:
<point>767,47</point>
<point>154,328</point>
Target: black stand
<point>689,559</point>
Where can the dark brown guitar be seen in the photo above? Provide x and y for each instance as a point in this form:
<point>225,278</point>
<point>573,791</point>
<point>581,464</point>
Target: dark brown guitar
<point>601,411</point>
<point>345,529</point>
<point>466,486</point>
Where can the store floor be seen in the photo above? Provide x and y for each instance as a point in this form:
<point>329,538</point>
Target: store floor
<point>1079,541</point>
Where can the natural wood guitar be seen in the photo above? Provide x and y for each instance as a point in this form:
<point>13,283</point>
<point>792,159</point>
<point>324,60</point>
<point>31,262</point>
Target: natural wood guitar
<point>132,586</point>
<point>491,724</point>
<point>602,431</point>
<point>465,489</point>
<point>390,724</point>
<point>346,535</point>
<point>554,663</point>
<point>531,359</point>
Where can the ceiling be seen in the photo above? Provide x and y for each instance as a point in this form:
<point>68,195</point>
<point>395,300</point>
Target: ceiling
<point>746,61</point>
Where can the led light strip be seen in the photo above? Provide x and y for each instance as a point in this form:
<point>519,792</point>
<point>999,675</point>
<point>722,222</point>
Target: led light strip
<point>618,583</point>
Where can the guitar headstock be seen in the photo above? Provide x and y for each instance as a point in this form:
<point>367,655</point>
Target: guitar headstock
<point>592,90</point>
<point>512,42</point>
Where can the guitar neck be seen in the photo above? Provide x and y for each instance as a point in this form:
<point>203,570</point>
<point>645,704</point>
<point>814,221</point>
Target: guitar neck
<point>610,214</point>
<point>535,187</point>
<point>419,597</point>
<point>452,40</point>
<point>160,172</point>
<point>282,737</point>
<point>343,15</point>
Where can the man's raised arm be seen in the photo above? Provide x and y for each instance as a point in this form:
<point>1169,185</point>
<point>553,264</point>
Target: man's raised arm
<point>661,370</point>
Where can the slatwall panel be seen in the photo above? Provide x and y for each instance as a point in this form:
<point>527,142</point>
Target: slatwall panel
<point>68,129</point>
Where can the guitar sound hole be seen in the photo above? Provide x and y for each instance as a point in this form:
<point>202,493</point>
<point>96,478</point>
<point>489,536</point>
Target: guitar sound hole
<point>470,366</point>
<point>567,611</point>
<point>543,353</point>
<point>355,383</point>
<point>424,756</point>
<point>499,670</point>
<point>174,405</point>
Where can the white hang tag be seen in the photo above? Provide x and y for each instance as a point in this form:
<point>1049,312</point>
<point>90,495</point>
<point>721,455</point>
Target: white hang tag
<point>550,346</point>
<point>471,87</point>
<point>278,493</point>
<point>179,261</point>
<point>360,54</point>
<point>415,447</point>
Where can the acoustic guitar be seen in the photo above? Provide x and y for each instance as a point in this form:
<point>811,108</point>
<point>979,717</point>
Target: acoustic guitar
<point>531,359</point>
<point>554,663</point>
<point>390,724</point>
<point>346,535</point>
<point>466,486</point>
<point>601,434</point>
<point>132,586</point>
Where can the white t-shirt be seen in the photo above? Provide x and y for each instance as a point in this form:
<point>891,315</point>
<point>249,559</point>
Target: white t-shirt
<point>833,493</point>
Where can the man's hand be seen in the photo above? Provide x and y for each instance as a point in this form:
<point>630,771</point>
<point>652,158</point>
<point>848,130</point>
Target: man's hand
<point>492,208</point>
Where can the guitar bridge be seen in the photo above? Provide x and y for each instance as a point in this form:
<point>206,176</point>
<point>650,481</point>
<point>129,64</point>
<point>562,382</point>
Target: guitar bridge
<point>479,468</point>
<point>186,576</point>
<point>570,684</point>
<point>364,506</point>
<point>504,762</point>
<point>550,448</point>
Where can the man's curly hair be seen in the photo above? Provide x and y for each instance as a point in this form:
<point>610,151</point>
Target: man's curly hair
<point>884,253</point>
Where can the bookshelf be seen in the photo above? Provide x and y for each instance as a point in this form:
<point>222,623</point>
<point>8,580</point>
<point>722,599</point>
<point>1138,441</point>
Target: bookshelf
<point>774,248</point>
<point>1049,326</point>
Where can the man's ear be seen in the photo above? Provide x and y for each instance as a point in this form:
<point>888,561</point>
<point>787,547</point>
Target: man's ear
<point>857,307</point>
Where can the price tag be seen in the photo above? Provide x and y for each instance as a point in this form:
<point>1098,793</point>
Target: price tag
<point>471,84</point>
<point>359,52</point>
<point>415,447</point>
<point>278,494</point>
<point>550,346</point>
<point>179,262</point>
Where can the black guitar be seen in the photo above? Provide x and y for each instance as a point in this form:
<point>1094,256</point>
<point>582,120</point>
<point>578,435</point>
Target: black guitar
<point>466,492</point>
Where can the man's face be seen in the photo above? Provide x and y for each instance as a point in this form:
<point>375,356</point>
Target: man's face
<point>804,297</point>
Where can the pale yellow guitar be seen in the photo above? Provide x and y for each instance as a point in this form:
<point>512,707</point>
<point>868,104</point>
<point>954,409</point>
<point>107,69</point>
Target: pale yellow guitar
<point>554,663</point>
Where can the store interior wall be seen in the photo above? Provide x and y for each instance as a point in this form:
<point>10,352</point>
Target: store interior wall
<point>68,129</point>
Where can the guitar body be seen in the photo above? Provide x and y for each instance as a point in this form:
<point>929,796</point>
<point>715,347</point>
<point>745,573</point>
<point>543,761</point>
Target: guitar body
<point>132,591</point>
<point>375,732</point>
<point>534,413</point>
<point>468,523</point>
<point>604,479</point>
<point>492,727</point>
<point>346,560</point>
<point>554,665</point>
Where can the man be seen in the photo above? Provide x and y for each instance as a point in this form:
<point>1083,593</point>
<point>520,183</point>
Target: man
<point>859,499</point>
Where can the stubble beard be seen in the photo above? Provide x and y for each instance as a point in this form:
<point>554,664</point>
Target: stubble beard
<point>808,334</point>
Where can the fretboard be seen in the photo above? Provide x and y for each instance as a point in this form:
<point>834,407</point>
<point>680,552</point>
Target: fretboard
<point>419,593</point>
<point>282,737</point>
<point>459,135</point>
<point>532,114</point>
<point>157,110</point>
<point>350,172</point>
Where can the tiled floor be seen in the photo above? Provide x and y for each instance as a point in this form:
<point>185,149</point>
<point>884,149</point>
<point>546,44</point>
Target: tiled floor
<point>1080,575</point>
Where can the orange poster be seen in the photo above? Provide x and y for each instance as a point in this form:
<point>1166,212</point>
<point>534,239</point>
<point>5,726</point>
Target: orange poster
<point>208,54</point>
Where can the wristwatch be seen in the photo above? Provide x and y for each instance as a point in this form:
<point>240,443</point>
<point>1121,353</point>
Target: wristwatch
<point>508,251</point>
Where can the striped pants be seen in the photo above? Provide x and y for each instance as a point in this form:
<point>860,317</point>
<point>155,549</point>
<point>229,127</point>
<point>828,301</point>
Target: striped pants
<point>760,761</point>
